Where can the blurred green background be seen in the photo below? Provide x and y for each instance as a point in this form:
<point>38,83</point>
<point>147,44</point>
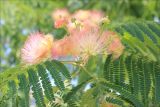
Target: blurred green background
<point>18,18</point>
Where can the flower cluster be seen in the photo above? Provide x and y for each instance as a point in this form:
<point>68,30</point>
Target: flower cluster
<point>36,48</point>
<point>84,38</point>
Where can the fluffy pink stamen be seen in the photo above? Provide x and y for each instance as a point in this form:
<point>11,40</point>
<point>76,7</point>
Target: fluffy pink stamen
<point>36,48</point>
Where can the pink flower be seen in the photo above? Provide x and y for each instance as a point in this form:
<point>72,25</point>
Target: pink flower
<point>96,16</point>
<point>60,23</point>
<point>63,48</point>
<point>81,27</point>
<point>81,15</point>
<point>60,17</point>
<point>116,48</point>
<point>114,45</point>
<point>36,48</point>
<point>91,43</point>
<point>93,15</point>
<point>85,20</point>
<point>60,13</point>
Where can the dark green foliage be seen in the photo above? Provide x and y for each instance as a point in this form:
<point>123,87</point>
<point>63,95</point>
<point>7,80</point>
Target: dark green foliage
<point>61,67</point>
<point>36,88</point>
<point>142,68</point>
<point>10,99</point>
<point>12,93</point>
<point>55,74</point>
<point>146,37</point>
<point>138,71</point>
<point>154,27</point>
<point>156,71</point>
<point>73,103</point>
<point>124,93</point>
<point>74,90</point>
<point>143,27</point>
<point>37,78</point>
<point>45,82</point>
<point>23,91</point>
<point>131,67</point>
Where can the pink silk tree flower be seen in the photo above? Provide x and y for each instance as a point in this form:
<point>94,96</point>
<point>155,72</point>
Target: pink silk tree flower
<point>114,45</point>
<point>93,43</point>
<point>36,48</point>
<point>116,48</point>
<point>90,44</point>
<point>96,16</point>
<point>60,13</point>
<point>81,27</point>
<point>93,15</point>
<point>84,20</point>
<point>81,15</point>
<point>63,48</point>
<point>60,17</point>
<point>60,23</point>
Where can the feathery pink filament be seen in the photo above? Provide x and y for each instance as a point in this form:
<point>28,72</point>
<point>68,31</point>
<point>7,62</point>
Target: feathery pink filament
<point>36,48</point>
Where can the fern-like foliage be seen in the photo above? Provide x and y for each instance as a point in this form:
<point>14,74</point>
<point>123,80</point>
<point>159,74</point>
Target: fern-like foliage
<point>142,38</point>
<point>71,94</point>
<point>137,71</point>
<point>38,81</point>
<point>156,82</point>
<point>45,82</point>
<point>62,68</point>
<point>12,93</point>
<point>36,88</point>
<point>55,74</point>
<point>142,79</point>
<point>23,91</point>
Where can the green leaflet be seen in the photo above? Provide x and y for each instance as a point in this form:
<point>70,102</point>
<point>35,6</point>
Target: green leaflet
<point>45,82</point>
<point>56,75</point>
<point>156,82</point>
<point>61,67</point>
<point>88,98</point>
<point>37,79</point>
<point>74,90</point>
<point>124,93</point>
<point>36,88</point>
<point>23,91</point>
<point>141,74</point>
<point>141,37</point>
<point>12,93</point>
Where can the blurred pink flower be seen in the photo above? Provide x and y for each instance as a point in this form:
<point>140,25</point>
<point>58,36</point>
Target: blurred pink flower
<point>88,44</point>
<point>93,43</point>
<point>60,23</point>
<point>81,15</point>
<point>116,48</point>
<point>81,27</point>
<point>60,17</point>
<point>60,13</point>
<point>61,48</point>
<point>114,45</point>
<point>93,15</point>
<point>96,16</point>
<point>85,20</point>
<point>36,48</point>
